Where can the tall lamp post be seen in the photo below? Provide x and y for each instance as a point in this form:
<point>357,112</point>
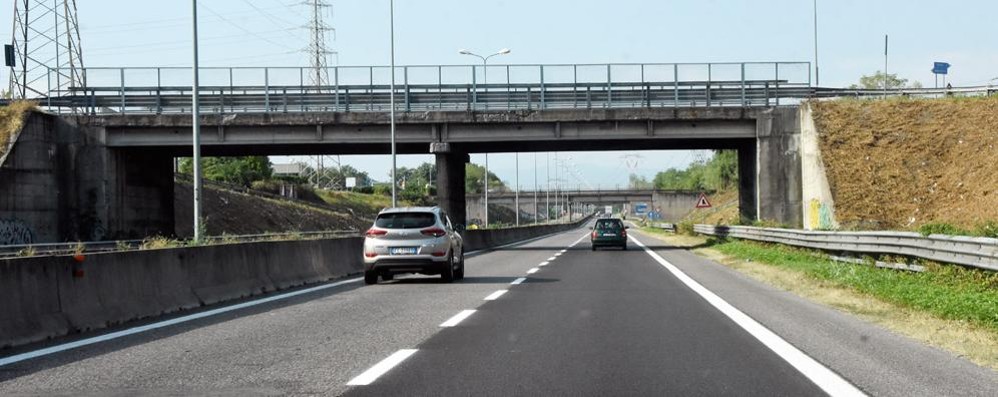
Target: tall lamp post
<point>485,70</point>
<point>817,76</point>
<point>391,18</point>
<point>196,129</point>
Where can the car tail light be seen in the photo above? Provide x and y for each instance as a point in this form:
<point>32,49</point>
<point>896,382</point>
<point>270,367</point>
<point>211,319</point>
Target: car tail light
<point>372,232</point>
<point>433,231</point>
<point>623,233</point>
<point>594,234</point>
<point>370,254</point>
<point>439,253</point>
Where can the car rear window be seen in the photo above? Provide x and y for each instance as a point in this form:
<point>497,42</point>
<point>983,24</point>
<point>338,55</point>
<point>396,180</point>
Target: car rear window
<point>405,220</point>
<point>613,225</point>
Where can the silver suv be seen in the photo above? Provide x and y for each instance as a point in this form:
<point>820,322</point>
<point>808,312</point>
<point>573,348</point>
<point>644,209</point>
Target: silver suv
<point>413,240</point>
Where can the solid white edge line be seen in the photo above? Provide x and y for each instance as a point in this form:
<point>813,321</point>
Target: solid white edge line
<point>495,295</point>
<point>161,324</point>
<point>457,318</point>
<point>381,368</point>
<point>543,264</point>
<point>822,376</point>
<point>518,281</point>
<point>532,270</point>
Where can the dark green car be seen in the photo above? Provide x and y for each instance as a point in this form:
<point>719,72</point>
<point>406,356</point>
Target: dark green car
<point>609,233</point>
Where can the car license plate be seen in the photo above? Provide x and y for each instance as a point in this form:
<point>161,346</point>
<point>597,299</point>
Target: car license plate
<point>609,234</point>
<point>402,251</point>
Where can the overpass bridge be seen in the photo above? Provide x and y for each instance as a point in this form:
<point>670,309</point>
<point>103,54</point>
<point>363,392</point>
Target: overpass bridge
<point>118,140</point>
<point>671,204</point>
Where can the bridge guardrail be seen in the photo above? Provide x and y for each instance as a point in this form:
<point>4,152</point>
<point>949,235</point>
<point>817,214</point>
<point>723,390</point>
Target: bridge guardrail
<point>434,87</point>
<point>977,252</point>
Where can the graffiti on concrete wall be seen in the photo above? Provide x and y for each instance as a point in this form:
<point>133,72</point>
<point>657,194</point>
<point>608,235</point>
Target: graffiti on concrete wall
<point>15,232</point>
<point>819,216</point>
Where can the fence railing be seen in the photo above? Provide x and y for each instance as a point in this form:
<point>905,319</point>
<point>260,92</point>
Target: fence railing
<point>48,249</point>
<point>978,252</point>
<point>436,87</point>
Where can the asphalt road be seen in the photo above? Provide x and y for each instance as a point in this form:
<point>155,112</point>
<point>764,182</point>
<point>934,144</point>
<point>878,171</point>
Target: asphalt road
<point>664,322</point>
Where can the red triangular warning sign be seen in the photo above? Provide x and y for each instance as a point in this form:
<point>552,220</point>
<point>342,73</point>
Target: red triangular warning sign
<point>702,202</point>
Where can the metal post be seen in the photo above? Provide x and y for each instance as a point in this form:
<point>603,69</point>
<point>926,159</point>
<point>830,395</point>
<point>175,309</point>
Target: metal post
<point>709,78</point>
<point>536,208</point>
<point>547,190</point>
<point>266,90</point>
<point>516,194</point>
<point>542,87</point>
<point>885,66</point>
<point>486,190</point>
<point>196,123</point>
<point>743,84</point>
<point>391,96</point>
<point>122,73</point>
<point>675,84</point>
<point>817,79</point>
<point>609,89</point>
<point>776,89</point>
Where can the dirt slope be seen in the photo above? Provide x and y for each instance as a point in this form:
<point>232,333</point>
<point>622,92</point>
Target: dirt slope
<point>239,213</point>
<point>901,163</point>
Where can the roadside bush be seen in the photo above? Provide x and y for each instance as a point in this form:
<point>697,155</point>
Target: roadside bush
<point>364,189</point>
<point>685,228</point>
<point>942,228</point>
<point>987,229</point>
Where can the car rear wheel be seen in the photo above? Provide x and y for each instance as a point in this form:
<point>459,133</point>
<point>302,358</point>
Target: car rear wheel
<point>387,276</point>
<point>447,274</point>
<point>370,277</point>
<point>623,247</point>
<point>459,273</point>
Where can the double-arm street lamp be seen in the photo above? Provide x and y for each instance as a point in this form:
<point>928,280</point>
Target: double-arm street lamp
<point>485,70</point>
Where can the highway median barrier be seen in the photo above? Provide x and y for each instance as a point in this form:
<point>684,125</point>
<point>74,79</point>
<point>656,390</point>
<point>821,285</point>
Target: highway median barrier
<point>45,297</point>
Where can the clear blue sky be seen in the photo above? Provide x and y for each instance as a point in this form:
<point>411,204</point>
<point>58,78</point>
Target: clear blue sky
<point>271,33</point>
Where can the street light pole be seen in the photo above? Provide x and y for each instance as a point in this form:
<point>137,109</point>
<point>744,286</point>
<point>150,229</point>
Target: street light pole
<point>817,78</point>
<point>391,95</point>
<point>196,130</point>
<point>485,69</point>
<point>486,190</point>
<point>536,207</point>
<point>516,194</point>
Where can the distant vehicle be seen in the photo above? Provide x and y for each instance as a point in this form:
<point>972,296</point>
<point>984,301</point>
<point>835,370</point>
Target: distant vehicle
<point>609,233</point>
<point>413,240</point>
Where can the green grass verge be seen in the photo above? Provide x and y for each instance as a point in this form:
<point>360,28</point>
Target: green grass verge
<point>950,292</point>
<point>363,204</point>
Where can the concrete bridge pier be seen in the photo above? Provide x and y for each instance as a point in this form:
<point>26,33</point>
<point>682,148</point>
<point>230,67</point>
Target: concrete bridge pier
<point>450,181</point>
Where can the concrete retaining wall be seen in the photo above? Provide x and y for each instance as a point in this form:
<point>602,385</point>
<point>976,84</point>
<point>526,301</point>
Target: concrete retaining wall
<point>40,298</point>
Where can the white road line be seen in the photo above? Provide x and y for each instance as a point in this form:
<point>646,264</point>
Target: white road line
<point>518,281</point>
<point>381,368</point>
<point>495,295</point>
<point>822,376</point>
<point>543,264</point>
<point>457,318</point>
<point>167,323</point>
<point>552,258</point>
<point>557,254</point>
<point>532,270</point>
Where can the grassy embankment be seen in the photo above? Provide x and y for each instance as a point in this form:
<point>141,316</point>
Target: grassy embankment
<point>11,120</point>
<point>946,306</point>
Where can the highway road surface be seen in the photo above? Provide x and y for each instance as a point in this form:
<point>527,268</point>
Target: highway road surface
<point>549,317</point>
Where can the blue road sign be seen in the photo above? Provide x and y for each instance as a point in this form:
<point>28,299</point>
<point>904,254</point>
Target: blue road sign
<point>940,68</point>
<point>640,208</point>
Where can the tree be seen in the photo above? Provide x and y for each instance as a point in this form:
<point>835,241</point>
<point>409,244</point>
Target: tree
<point>718,173</point>
<point>235,170</point>
<point>638,182</point>
<point>876,81</point>
<point>474,180</point>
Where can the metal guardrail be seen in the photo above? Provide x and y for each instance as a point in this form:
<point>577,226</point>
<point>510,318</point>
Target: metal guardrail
<point>978,252</point>
<point>435,87</point>
<point>49,249</point>
<point>670,227</point>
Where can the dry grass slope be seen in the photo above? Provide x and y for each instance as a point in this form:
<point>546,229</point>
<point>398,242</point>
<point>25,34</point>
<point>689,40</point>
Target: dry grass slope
<point>901,163</point>
<point>11,120</point>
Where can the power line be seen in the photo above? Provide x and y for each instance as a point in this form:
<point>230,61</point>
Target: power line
<point>237,26</point>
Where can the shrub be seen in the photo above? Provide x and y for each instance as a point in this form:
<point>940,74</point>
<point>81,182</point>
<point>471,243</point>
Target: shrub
<point>942,228</point>
<point>987,229</point>
<point>685,228</point>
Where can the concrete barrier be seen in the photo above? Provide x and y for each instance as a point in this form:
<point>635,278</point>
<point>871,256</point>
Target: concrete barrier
<point>41,298</point>
<point>484,239</point>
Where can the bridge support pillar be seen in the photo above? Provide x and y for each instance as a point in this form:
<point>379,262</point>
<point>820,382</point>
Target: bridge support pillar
<point>450,181</point>
<point>777,168</point>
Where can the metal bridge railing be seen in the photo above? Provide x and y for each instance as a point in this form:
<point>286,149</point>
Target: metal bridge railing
<point>438,87</point>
